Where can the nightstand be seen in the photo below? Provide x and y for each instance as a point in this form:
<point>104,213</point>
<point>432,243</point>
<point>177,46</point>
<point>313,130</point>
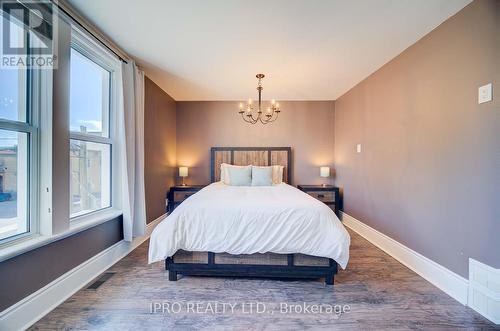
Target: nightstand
<point>177,194</point>
<point>328,194</point>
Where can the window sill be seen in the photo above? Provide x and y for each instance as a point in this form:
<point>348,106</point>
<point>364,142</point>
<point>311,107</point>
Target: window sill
<point>92,219</point>
<point>81,224</point>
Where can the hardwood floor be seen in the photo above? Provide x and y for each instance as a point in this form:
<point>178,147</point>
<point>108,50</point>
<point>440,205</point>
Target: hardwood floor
<point>379,291</point>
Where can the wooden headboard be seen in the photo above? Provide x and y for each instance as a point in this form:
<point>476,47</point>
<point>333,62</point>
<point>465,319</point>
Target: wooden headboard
<point>258,156</point>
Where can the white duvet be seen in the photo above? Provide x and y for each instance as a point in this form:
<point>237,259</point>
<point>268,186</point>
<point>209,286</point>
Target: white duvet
<point>246,220</point>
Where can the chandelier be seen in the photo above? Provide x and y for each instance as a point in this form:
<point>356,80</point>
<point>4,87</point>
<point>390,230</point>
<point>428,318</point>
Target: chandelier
<point>250,116</point>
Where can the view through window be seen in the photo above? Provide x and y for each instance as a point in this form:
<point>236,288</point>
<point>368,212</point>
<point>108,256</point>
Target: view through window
<point>90,147</point>
<point>14,146</point>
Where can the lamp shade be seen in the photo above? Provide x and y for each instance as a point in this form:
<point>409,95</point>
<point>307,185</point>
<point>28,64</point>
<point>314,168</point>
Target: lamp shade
<point>183,171</point>
<point>324,171</point>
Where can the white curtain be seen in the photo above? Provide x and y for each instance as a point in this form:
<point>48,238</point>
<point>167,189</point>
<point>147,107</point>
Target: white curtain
<point>130,129</point>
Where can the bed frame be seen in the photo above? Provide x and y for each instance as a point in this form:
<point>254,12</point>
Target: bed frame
<point>251,265</point>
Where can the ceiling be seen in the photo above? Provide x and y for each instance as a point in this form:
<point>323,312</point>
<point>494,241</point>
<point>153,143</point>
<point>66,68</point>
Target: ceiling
<point>308,49</point>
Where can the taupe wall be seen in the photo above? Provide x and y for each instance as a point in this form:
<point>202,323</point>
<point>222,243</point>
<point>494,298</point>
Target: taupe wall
<point>24,274</point>
<point>160,147</point>
<point>306,126</point>
<point>428,174</point>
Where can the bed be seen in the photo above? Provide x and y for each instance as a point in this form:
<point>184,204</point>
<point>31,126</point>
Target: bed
<point>253,231</point>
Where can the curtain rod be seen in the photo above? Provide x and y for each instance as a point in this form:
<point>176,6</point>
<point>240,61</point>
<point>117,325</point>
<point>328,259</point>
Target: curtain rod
<point>88,31</point>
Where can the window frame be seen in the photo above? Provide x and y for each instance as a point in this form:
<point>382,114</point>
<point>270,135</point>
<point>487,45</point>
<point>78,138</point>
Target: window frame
<point>88,48</point>
<point>33,86</point>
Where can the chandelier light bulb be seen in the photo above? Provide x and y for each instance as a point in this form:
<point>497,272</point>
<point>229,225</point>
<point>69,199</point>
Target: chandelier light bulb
<point>249,101</point>
<point>273,102</point>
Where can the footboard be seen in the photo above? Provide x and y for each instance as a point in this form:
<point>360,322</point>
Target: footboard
<point>251,265</point>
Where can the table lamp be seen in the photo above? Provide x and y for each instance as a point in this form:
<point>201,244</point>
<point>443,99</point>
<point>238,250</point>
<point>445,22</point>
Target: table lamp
<point>183,172</point>
<point>324,172</point>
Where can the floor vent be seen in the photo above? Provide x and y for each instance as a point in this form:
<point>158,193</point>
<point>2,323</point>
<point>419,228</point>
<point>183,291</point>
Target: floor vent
<point>101,280</point>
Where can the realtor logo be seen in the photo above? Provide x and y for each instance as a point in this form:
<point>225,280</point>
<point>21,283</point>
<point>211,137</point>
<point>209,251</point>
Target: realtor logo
<point>28,31</point>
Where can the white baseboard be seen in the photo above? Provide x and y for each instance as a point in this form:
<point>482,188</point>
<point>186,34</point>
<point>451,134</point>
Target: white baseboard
<point>446,280</point>
<point>484,290</point>
<point>26,312</point>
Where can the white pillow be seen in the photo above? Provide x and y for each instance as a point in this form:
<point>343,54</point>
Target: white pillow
<point>277,173</point>
<point>224,172</point>
<point>240,176</point>
<point>262,176</point>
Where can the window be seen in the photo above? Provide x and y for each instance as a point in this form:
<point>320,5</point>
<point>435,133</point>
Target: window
<point>14,179</point>
<point>18,134</point>
<point>31,137</point>
<point>90,176</point>
<point>91,144</point>
<point>13,95</point>
<point>89,96</point>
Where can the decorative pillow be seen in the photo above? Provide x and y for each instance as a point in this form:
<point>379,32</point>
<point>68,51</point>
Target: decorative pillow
<point>224,172</point>
<point>239,176</point>
<point>276,169</point>
<point>277,173</point>
<point>262,176</point>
